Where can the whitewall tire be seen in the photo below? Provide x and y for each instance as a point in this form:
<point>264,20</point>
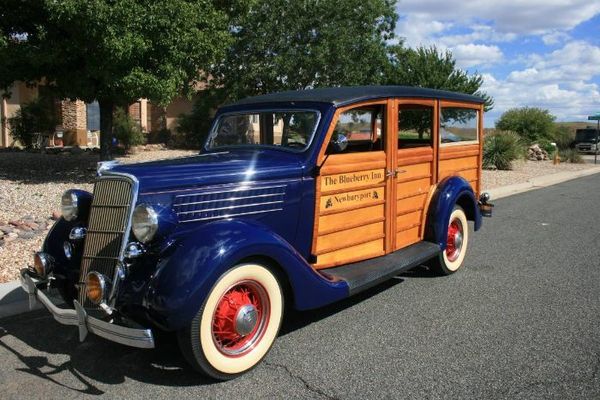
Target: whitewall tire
<point>237,324</point>
<point>457,240</point>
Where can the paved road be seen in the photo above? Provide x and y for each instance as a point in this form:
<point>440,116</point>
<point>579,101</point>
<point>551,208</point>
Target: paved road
<point>522,320</point>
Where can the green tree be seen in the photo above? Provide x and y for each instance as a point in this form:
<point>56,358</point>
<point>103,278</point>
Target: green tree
<point>531,123</point>
<point>288,45</point>
<point>112,51</point>
<point>428,67</point>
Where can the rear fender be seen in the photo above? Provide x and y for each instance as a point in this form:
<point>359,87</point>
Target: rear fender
<point>198,258</point>
<point>452,191</point>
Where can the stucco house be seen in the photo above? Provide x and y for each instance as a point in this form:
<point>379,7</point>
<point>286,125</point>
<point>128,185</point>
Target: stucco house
<point>78,120</point>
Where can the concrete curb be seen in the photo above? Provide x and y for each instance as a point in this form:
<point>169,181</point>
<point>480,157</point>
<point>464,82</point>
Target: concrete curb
<point>13,300</point>
<point>539,182</point>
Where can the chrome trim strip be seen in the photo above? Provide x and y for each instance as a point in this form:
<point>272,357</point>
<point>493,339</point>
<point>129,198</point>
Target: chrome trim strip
<point>229,199</point>
<point>231,215</point>
<point>230,207</point>
<point>238,189</point>
<point>135,337</point>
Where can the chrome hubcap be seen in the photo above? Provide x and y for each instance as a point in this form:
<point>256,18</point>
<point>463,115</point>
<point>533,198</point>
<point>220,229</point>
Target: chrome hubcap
<point>246,319</point>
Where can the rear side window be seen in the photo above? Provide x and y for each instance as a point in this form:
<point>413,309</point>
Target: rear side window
<point>458,125</point>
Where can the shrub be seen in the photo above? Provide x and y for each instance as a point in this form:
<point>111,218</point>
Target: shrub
<point>571,156</point>
<point>33,121</point>
<point>500,149</point>
<point>127,132</point>
<point>563,137</point>
<point>193,128</point>
<point>531,123</point>
<point>547,146</point>
<point>160,136</point>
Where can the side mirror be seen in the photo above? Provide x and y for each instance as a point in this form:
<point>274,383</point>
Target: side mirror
<point>339,144</point>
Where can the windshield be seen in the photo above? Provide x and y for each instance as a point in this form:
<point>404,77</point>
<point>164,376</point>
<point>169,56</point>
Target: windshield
<point>292,130</point>
<point>585,135</point>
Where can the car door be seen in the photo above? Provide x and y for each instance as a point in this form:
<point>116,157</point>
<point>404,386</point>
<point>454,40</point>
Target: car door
<point>354,187</point>
<point>415,174</point>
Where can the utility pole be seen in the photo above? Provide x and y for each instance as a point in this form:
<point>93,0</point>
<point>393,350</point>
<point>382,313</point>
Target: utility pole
<point>596,117</point>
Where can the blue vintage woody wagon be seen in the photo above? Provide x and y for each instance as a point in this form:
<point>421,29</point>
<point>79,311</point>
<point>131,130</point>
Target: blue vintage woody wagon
<point>298,198</point>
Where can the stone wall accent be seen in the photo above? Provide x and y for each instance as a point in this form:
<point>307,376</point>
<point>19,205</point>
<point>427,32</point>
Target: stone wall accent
<point>74,122</point>
<point>73,115</point>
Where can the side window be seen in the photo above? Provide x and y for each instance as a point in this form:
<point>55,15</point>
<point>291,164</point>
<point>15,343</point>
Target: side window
<point>415,126</point>
<point>458,125</point>
<point>362,128</point>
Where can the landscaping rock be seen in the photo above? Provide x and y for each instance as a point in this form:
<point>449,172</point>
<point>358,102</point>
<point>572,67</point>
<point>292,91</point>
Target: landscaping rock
<point>6,229</point>
<point>536,153</point>
<point>26,234</point>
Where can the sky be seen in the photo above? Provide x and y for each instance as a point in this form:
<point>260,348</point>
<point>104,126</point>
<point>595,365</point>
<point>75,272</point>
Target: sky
<point>537,53</point>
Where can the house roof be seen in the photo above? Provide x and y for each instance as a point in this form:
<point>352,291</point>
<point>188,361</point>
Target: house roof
<point>340,96</point>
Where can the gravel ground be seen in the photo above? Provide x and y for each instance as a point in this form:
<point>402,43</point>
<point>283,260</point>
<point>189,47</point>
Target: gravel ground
<point>30,189</point>
<point>31,185</point>
<point>525,170</point>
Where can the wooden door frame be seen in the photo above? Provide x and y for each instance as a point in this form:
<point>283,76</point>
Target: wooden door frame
<point>481,110</point>
<point>321,158</point>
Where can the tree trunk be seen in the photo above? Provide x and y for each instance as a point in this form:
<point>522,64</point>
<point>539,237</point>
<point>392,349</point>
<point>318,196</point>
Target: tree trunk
<point>107,108</point>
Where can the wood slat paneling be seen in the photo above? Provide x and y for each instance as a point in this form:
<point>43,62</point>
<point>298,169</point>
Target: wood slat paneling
<point>351,254</point>
<point>350,219</point>
<point>349,238</point>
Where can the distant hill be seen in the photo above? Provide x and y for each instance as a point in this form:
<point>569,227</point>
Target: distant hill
<point>577,125</point>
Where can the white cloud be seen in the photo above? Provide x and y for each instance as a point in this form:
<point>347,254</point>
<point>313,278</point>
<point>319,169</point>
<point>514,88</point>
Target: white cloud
<point>417,30</point>
<point>472,55</point>
<point>508,16</point>
<point>560,81</point>
<point>555,37</point>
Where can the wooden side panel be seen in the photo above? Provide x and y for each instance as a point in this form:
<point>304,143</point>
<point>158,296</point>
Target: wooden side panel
<point>350,224</point>
<point>351,254</point>
<point>462,161</point>
<point>414,179</point>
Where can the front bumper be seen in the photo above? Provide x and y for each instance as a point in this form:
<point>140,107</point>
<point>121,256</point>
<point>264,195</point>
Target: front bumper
<point>131,335</point>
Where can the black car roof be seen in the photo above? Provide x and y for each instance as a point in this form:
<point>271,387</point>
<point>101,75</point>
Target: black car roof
<point>340,96</point>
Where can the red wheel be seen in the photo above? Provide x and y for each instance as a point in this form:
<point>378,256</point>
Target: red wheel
<point>241,317</point>
<point>457,239</point>
<point>237,324</point>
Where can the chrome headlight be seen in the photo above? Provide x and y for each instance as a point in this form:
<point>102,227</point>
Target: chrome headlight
<point>75,204</point>
<point>68,204</point>
<point>145,223</point>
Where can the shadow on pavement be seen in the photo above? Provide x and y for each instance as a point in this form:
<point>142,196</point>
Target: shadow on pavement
<point>98,360</point>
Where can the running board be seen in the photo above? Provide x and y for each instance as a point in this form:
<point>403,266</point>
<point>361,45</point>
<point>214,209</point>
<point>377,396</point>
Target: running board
<point>366,274</point>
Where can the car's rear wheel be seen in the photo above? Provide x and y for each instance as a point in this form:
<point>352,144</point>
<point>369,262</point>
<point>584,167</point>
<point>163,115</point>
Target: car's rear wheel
<point>457,239</point>
<point>237,324</point>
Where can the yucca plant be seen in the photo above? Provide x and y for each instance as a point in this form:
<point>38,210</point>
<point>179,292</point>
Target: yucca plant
<point>571,156</point>
<point>500,149</point>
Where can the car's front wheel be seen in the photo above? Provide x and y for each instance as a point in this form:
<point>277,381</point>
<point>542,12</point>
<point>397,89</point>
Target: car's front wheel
<point>237,324</point>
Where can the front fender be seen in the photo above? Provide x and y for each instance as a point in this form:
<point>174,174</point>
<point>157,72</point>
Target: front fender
<point>451,191</point>
<point>199,257</point>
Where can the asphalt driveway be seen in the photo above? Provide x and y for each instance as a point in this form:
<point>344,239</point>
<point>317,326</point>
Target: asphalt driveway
<point>521,320</point>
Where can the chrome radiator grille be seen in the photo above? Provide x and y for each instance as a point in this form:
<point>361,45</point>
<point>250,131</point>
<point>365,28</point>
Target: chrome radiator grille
<point>107,229</point>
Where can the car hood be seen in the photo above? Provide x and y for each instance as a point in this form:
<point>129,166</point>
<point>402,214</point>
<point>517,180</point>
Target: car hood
<point>213,169</point>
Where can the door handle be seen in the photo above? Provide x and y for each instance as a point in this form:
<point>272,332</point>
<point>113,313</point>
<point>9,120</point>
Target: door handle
<point>394,173</point>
